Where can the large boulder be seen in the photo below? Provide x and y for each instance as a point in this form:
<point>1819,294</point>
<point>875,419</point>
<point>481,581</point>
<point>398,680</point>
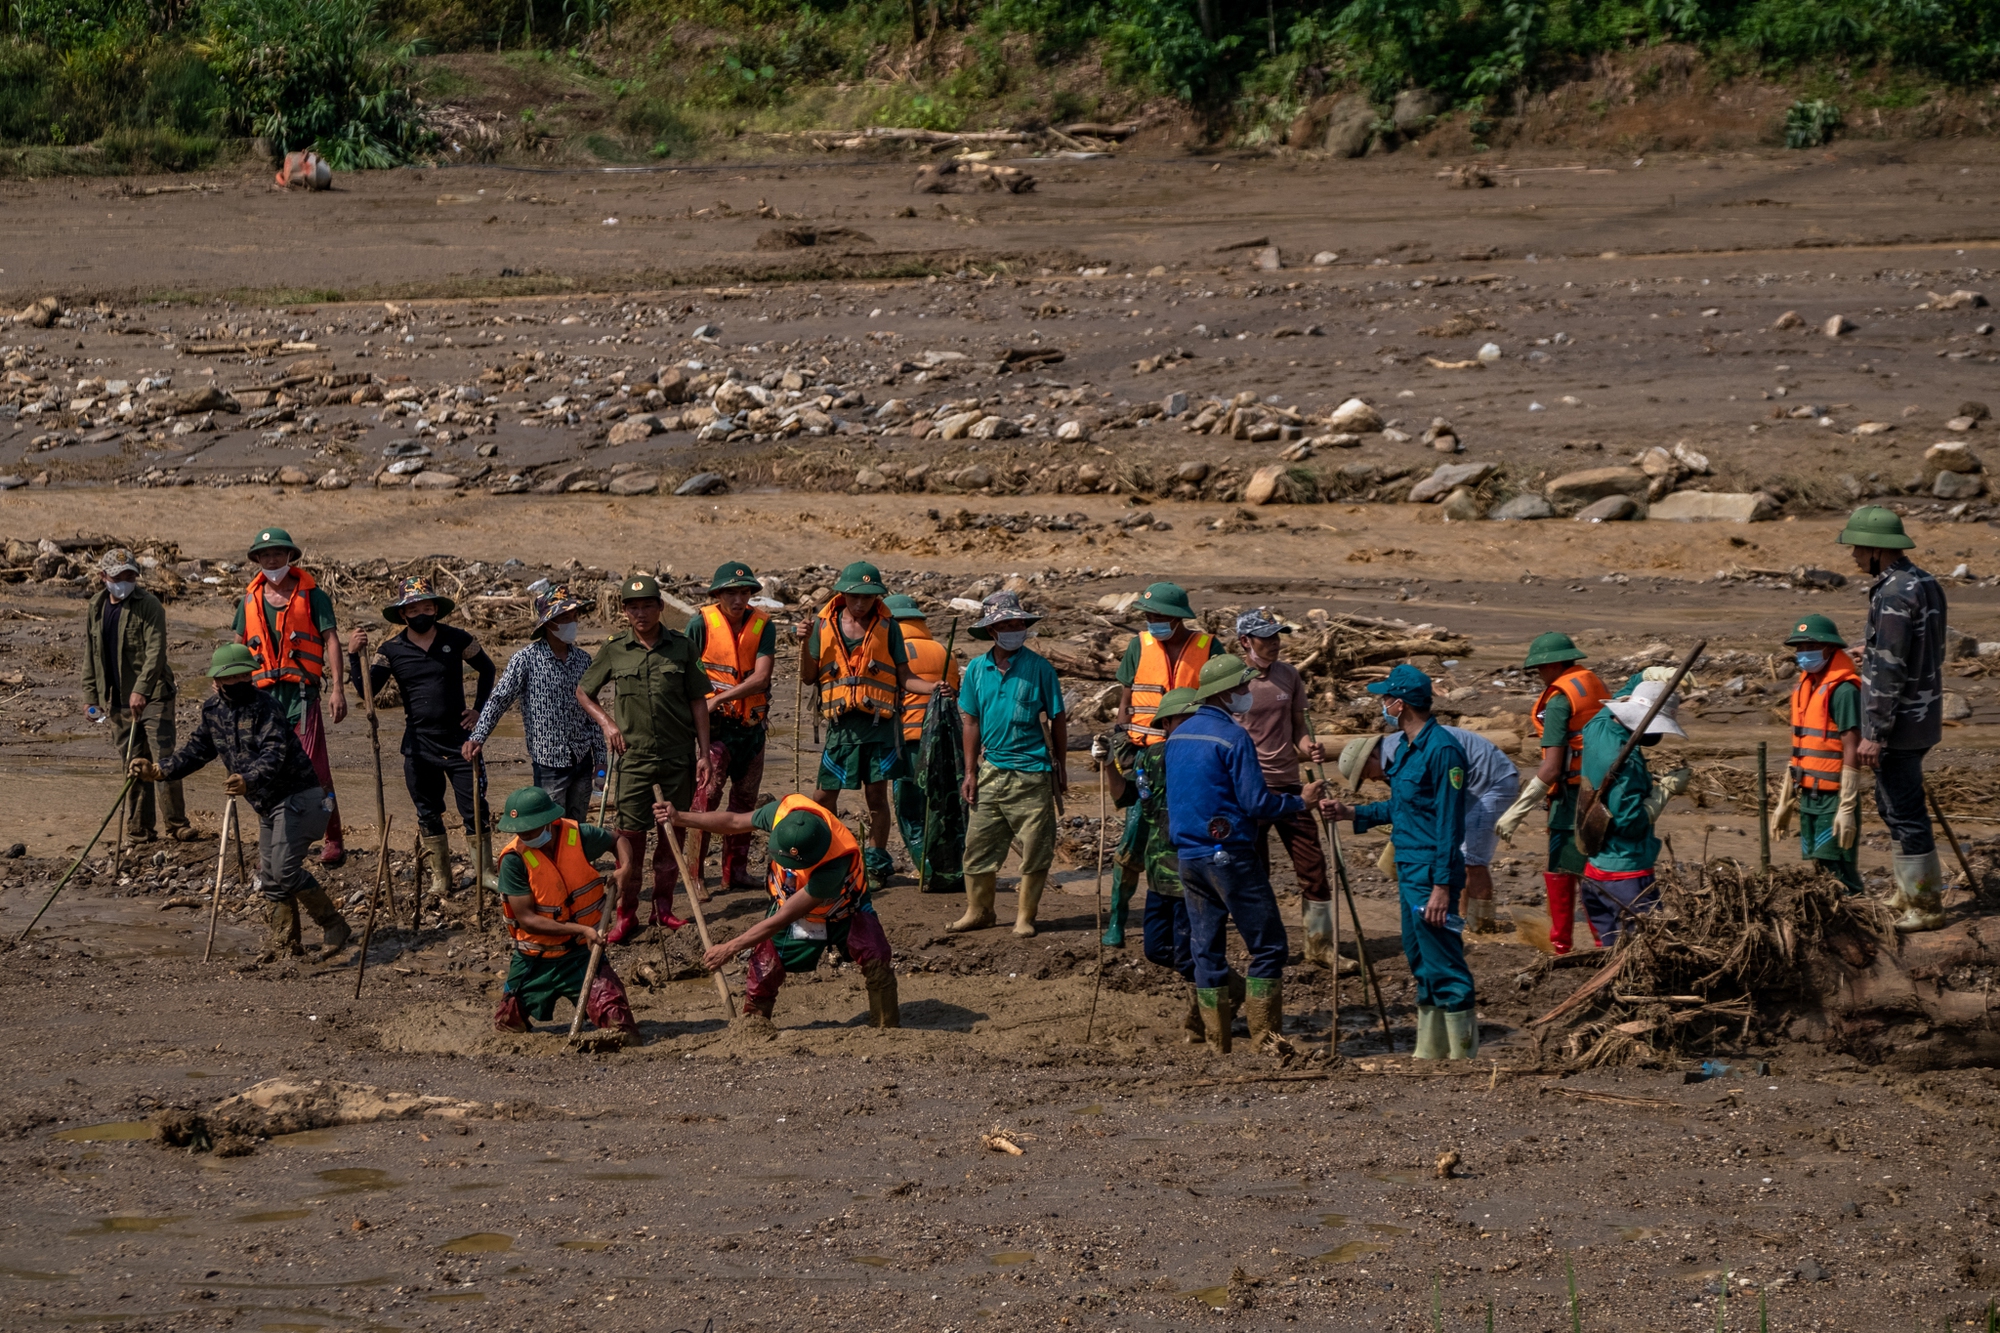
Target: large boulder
<point>1523,507</point>
<point>1612,509</point>
<point>1264,485</point>
<point>1350,125</point>
<point>1414,109</point>
<point>1958,486</point>
<point>1448,478</point>
<point>1721,506</point>
<point>1355,416</point>
<point>1573,490</point>
<point>1952,456</point>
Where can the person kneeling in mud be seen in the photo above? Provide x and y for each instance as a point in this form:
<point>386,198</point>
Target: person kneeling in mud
<point>553,896</point>
<point>819,899</point>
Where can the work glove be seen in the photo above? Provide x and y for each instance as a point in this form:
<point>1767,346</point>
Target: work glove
<point>1781,818</point>
<point>234,785</point>
<point>1526,801</point>
<point>1386,862</point>
<point>1100,749</point>
<point>1665,788</point>
<point>1847,815</point>
<point>146,771</point>
<point>1658,673</point>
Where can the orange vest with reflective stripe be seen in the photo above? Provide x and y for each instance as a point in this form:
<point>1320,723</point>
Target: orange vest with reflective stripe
<point>565,885</point>
<point>784,883</point>
<point>1586,695</point>
<point>729,656</point>
<point>862,681</point>
<point>290,650</point>
<point>1157,674</point>
<point>1815,743</point>
<point>928,661</point>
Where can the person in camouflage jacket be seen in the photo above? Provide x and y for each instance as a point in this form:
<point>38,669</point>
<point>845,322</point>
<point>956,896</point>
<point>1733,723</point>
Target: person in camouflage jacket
<point>1902,704</point>
<point>1138,776</point>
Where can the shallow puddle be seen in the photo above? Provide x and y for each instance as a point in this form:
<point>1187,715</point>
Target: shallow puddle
<point>120,1226</point>
<point>479,1242</point>
<point>1334,1219</point>
<point>621,1175</point>
<point>1008,1258</point>
<point>1216,1298</point>
<point>1386,1229</point>
<point>1348,1253</point>
<point>117,1131</point>
<point>359,1179</point>
<point>872,1260</point>
<point>593,1246</point>
<point>280,1215</point>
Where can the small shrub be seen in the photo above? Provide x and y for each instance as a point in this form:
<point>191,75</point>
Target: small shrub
<point>1810,124</point>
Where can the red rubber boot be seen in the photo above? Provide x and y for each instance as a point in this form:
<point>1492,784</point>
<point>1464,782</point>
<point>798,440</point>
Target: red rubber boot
<point>606,1006</point>
<point>626,922</point>
<point>736,863</point>
<point>511,1016</point>
<point>1562,909</point>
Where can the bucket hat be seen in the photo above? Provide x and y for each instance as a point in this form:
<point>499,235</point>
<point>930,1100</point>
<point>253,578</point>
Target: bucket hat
<point>417,590</point>
<point>999,608</point>
<point>1630,710</point>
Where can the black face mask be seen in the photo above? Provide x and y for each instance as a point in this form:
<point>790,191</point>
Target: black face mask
<point>239,694</point>
<point>420,624</point>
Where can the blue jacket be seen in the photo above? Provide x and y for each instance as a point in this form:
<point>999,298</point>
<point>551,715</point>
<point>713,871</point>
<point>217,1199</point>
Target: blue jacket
<point>1215,787</point>
<point>1427,805</point>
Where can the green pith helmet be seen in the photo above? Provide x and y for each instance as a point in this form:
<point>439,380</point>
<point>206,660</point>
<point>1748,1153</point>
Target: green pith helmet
<point>1816,628</point>
<point>1354,758</point>
<point>638,588</point>
<point>1167,600</point>
<point>733,574</point>
<point>527,810</point>
<point>1874,525</point>
<point>1222,674</point>
<point>862,578</point>
<point>903,606</point>
<point>1551,648</point>
<point>1178,702</point>
<point>231,659</point>
<point>274,539</point>
<point>798,841</point>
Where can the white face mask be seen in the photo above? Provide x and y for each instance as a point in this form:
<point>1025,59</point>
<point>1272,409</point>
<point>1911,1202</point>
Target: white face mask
<point>1010,640</point>
<point>278,575</point>
<point>567,633</point>
<point>1240,701</point>
<point>1161,629</point>
<point>541,839</point>
<point>121,588</point>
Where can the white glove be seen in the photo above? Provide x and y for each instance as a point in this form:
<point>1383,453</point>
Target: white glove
<point>1511,820</point>
<point>1658,673</point>
<point>1781,817</point>
<point>1847,816</point>
<point>1664,789</point>
<point>1100,749</point>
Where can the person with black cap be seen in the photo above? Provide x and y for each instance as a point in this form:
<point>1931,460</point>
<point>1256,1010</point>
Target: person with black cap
<point>428,660</point>
<point>933,826</point>
<point>819,900</point>
<point>1427,807</point>
<point>1216,800</point>
<point>552,894</point>
<point>1823,782</point>
<point>565,749</point>
<point>738,644</point>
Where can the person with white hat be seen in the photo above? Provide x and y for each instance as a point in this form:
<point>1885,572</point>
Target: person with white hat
<point>1618,881</point>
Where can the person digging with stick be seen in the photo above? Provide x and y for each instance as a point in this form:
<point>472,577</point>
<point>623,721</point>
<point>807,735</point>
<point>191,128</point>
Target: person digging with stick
<point>552,894</point>
<point>1823,781</point>
<point>248,730</point>
<point>934,838</point>
<point>739,647</point>
<point>819,900</point>
<point>126,677</point>
<point>1618,880</point>
<point>427,660</point>
<point>565,749</point>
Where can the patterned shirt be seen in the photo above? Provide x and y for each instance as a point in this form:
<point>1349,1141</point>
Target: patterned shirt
<point>1903,664</point>
<point>559,732</point>
<point>255,741</point>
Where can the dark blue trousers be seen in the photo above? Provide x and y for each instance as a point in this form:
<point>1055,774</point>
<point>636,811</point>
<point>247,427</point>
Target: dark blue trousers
<point>1231,886</point>
<point>1167,939</point>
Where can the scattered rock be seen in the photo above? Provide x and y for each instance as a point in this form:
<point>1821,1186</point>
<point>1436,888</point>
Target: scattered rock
<point>1325,257</point>
<point>1573,490</point>
<point>633,429</point>
<point>1090,475</point>
<point>1976,410</point>
<point>703,483</point>
<point>1524,507</point>
<point>1448,478</point>
<point>1956,709</point>
<point>1072,431</point>
<point>1961,424</point>
<point>1612,509</point>
<point>1174,404</point>
<point>207,398</point>
<point>978,477</point>
<point>635,483</point>
<point>1266,258</point>
<point>1958,300</point>
<point>1952,456</point>
<point>1789,320</point>
<point>955,426</point>
<point>1357,416</point>
<point>332,481</point>
<point>1194,473</point>
<point>1657,462</point>
<point>1810,1270</point>
<point>993,428</point>
<point>1414,108</point>
<point>869,479</point>
<point>1721,506</point>
<point>1958,486</point>
<point>1264,485</point>
<point>1837,325</point>
<point>435,481</point>
<point>41,314</point>
<point>293,476</point>
<point>1350,127</point>
<point>1462,506</point>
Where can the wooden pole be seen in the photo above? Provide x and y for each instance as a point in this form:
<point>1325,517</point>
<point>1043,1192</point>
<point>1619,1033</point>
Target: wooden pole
<point>1763,809</point>
<point>417,882</point>
<point>375,742</point>
<point>668,832</point>
<point>479,845</point>
<point>1360,939</point>
<point>799,729</point>
<point>1957,848</point>
<point>1333,1033</point>
<point>589,977</point>
<point>374,897</point>
<point>1097,891</point>
<point>131,737</point>
<point>221,860</point>
<point>79,857</point>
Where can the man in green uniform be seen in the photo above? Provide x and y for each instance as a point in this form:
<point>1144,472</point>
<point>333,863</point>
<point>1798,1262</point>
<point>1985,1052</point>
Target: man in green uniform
<point>127,678</point>
<point>1823,780</point>
<point>659,737</point>
<point>1571,696</point>
<point>738,647</point>
<point>933,828</point>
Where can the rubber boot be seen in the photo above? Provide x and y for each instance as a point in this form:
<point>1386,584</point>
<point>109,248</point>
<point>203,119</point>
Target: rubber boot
<point>978,902</point>
<point>606,1007</point>
<point>1432,1043</point>
<point>883,1010</point>
<point>663,911</point>
<point>511,1016</point>
<point>625,923</point>
<point>1121,895</point>
<point>437,856</point>
<point>1562,909</point>
<point>1920,886</point>
<point>281,934</point>
<point>1319,934</point>
<point>756,1018</point>
<point>489,878</point>
<point>1028,901</point>
<point>1264,1007</point>
<point>332,853</point>
<point>736,863</point>
<point>1461,1031</point>
<point>1217,1014</point>
<point>1192,1030</point>
<point>333,926</point>
<point>878,865</point>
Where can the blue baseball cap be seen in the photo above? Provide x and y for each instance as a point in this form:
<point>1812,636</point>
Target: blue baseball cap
<point>1407,683</point>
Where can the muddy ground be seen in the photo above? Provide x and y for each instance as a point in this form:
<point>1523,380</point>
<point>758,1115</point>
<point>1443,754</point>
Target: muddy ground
<point>671,1186</point>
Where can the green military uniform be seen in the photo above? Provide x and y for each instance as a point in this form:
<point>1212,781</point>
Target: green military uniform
<point>1816,809</point>
<point>1565,856</point>
<point>658,689</point>
<point>539,982</point>
<point>1145,843</point>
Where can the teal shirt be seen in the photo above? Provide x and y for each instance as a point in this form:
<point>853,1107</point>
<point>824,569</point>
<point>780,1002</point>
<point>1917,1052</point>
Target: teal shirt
<point>1630,844</point>
<point>1008,706</point>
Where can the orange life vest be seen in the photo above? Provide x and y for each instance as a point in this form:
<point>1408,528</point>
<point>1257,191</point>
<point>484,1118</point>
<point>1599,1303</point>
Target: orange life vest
<point>565,885</point>
<point>1815,743</point>
<point>784,883</point>
<point>928,661</point>
<point>729,656</point>
<point>1157,674</point>
<point>292,650</point>
<point>1586,695</point>
<point>862,681</point>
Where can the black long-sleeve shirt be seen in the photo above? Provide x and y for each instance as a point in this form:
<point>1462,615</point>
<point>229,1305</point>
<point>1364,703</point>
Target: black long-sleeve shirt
<point>255,741</point>
<point>432,681</point>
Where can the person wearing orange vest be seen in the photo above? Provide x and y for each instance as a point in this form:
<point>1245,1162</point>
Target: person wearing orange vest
<point>1823,782</point>
<point>935,839</point>
<point>287,623</point>
<point>819,900</point>
<point>1571,697</point>
<point>855,653</point>
<point>553,896</point>
<point>738,644</point>
<point>1165,655</point>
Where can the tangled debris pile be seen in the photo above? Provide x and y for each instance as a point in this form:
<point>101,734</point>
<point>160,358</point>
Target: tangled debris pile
<point>232,1127</point>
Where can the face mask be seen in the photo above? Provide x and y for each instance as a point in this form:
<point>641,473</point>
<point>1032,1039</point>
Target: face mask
<point>239,694</point>
<point>1812,661</point>
<point>278,575</point>
<point>1161,629</point>
<point>121,588</point>
<point>420,624</point>
<point>567,633</point>
<point>1240,701</point>
<point>1010,640</point>
<point>1393,719</point>
<point>540,839</point>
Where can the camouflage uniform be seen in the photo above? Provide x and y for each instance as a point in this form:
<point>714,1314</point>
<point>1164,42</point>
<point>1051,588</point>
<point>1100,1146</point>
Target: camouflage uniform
<point>1146,843</point>
<point>1902,671</point>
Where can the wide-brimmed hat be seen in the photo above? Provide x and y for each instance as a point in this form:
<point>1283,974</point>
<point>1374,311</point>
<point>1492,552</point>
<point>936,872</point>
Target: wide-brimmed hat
<point>638,588</point>
<point>733,574</point>
<point>1260,624</point>
<point>116,559</point>
<point>1177,702</point>
<point>1813,629</point>
<point>1874,525</point>
<point>902,606</point>
<point>1168,600</point>
<point>231,659</point>
<point>552,602</point>
<point>1632,710</point>
<point>1407,683</point>
<point>997,609</point>
<point>417,590</point>
<point>1223,673</point>
<point>274,539</point>
<point>863,578</point>
<point>798,841</point>
<point>1354,758</point>
<point>527,810</point>
<point>1551,648</point>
